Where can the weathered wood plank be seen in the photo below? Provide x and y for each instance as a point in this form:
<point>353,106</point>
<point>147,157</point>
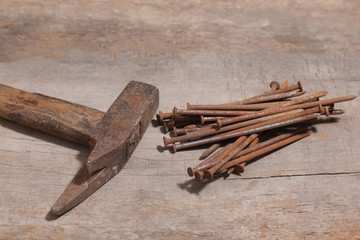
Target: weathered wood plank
<point>155,207</point>
<point>194,52</point>
<point>148,192</point>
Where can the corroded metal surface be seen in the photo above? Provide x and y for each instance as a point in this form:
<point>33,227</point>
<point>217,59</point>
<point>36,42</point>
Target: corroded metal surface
<point>240,132</point>
<point>112,136</point>
<point>271,111</point>
<point>267,149</point>
<point>121,129</point>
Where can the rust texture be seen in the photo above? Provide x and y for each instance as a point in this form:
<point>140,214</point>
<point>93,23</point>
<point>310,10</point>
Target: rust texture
<point>210,150</point>
<point>237,133</point>
<point>227,155</point>
<point>121,129</point>
<point>190,112</point>
<point>271,113</point>
<point>213,130</point>
<point>267,149</point>
<point>112,136</point>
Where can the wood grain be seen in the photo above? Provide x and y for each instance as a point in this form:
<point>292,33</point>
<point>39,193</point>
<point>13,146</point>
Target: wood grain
<point>213,52</point>
<point>57,117</point>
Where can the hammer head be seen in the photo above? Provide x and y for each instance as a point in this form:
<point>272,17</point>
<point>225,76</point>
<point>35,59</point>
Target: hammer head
<point>119,132</point>
<point>112,142</point>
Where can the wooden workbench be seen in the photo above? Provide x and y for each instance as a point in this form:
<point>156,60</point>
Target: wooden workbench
<point>193,51</point>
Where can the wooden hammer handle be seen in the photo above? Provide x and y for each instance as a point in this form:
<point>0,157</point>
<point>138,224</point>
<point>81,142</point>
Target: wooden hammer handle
<point>64,119</point>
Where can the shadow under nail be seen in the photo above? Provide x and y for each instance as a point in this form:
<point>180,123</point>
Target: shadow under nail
<point>195,187</point>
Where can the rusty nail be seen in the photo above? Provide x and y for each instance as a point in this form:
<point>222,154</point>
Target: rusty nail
<point>204,120</point>
<point>210,150</point>
<point>256,147</point>
<point>296,86</point>
<point>267,149</point>
<point>202,127</point>
<point>237,146</point>
<point>187,128</point>
<point>271,111</point>
<point>284,84</point>
<point>180,118</point>
<point>161,116</point>
<point>239,132</point>
<point>291,88</point>
<point>240,168</point>
<point>272,97</point>
<point>305,99</point>
<point>269,97</point>
<point>168,126</point>
<point>208,160</point>
<point>239,143</point>
<point>178,131</point>
<point>199,176</point>
<point>190,112</point>
<point>236,107</point>
<point>191,171</point>
<point>274,85</point>
<point>211,130</point>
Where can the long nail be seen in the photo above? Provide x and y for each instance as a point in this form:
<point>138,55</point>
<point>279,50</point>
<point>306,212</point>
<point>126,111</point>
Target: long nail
<point>178,131</point>
<point>187,112</point>
<point>265,150</point>
<point>305,99</point>
<point>236,107</point>
<point>192,171</point>
<point>179,119</point>
<point>204,120</point>
<point>237,133</point>
<point>210,150</point>
<point>228,152</point>
<point>161,116</point>
<point>238,145</point>
<point>240,168</point>
<point>296,86</point>
<point>212,130</point>
<point>268,97</point>
<point>202,127</point>
<point>291,88</point>
<point>271,111</point>
<point>256,147</point>
<point>170,125</point>
<point>186,129</point>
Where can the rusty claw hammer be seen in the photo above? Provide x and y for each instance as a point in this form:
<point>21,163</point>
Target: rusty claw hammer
<point>112,136</point>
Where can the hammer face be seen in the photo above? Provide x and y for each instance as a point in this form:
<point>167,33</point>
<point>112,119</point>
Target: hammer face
<point>119,132</point>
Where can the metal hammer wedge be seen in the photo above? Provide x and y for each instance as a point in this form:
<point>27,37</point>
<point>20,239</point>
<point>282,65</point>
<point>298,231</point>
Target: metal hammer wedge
<point>112,136</point>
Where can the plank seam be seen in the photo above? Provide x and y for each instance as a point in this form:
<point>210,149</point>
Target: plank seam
<point>300,175</point>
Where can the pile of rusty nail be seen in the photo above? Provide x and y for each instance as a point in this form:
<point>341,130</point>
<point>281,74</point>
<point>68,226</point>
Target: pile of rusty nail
<point>254,126</point>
